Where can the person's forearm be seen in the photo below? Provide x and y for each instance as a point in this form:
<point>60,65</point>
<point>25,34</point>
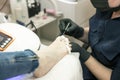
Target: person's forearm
<point>99,71</point>
<point>84,38</point>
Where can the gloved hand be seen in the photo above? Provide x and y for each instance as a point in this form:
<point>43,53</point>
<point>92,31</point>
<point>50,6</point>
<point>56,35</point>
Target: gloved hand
<point>72,30</point>
<point>84,54</point>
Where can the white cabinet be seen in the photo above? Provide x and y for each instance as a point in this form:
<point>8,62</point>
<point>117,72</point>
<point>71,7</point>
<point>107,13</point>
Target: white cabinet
<point>47,29</point>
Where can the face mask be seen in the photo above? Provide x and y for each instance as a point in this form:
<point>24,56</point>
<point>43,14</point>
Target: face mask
<point>103,5</point>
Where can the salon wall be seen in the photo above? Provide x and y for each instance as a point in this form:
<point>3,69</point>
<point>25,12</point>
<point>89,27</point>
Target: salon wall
<point>47,4</point>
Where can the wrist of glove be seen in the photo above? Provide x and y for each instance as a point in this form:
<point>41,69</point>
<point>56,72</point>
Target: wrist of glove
<point>77,33</point>
<point>84,54</point>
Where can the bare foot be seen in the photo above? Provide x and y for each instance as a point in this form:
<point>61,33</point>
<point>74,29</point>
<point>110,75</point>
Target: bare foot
<point>60,46</point>
<point>50,55</point>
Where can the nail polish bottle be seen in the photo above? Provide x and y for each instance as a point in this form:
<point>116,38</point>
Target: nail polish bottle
<point>45,14</point>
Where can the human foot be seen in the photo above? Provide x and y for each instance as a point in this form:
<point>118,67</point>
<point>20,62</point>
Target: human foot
<point>50,55</point>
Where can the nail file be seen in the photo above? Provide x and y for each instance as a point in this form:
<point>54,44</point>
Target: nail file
<point>66,28</point>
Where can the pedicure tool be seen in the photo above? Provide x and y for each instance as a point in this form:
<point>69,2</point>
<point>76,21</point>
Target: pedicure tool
<point>66,28</point>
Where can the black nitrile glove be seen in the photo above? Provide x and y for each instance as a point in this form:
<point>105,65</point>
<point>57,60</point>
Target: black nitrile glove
<point>72,30</point>
<point>84,54</point>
